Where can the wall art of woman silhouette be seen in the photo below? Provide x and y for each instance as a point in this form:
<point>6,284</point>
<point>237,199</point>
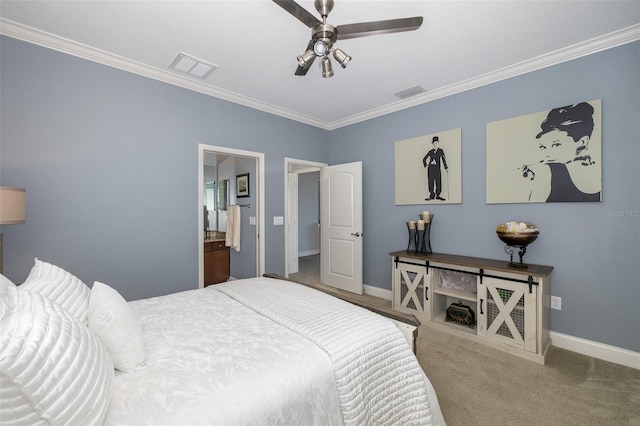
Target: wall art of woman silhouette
<point>563,171</point>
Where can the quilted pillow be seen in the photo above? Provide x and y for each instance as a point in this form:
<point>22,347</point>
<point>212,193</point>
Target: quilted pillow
<point>59,286</point>
<point>111,319</point>
<point>53,370</point>
<point>7,281</point>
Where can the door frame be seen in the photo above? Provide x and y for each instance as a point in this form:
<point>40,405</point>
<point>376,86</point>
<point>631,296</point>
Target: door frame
<point>292,165</point>
<point>293,215</point>
<point>260,240</point>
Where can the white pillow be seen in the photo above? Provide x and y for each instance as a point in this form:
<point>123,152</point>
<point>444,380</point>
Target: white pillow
<point>6,281</point>
<point>111,319</point>
<point>53,370</point>
<point>4,284</point>
<point>59,286</point>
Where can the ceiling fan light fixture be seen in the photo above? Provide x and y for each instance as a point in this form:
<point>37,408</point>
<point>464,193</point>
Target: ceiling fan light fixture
<point>324,35</point>
<point>342,58</point>
<point>327,70</point>
<point>306,58</point>
<point>320,47</point>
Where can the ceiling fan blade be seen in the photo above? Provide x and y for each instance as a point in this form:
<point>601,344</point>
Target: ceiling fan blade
<point>298,12</point>
<point>364,29</point>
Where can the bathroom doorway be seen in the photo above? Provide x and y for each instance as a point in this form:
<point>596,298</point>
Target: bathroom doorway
<point>220,169</point>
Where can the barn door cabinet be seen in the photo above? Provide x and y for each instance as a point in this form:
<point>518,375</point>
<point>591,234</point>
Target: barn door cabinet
<point>511,306</point>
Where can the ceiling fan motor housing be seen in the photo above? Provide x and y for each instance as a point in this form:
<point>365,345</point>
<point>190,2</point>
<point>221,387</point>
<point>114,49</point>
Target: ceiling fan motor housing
<point>325,34</point>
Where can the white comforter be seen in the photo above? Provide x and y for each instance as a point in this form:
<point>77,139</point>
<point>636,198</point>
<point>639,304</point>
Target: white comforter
<point>236,353</point>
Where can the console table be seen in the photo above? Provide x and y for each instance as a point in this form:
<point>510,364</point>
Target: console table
<point>511,305</point>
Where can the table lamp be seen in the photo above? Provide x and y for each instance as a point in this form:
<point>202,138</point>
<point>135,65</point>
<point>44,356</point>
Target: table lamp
<point>12,209</point>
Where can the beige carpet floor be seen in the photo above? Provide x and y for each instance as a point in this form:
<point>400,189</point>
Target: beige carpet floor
<point>478,385</point>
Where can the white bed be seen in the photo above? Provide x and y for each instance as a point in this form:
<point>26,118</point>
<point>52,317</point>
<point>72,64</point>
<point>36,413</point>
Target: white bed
<point>266,351</point>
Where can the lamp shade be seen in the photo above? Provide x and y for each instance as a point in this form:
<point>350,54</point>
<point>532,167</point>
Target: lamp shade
<point>327,71</point>
<point>305,59</point>
<point>12,205</point>
<point>342,58</point>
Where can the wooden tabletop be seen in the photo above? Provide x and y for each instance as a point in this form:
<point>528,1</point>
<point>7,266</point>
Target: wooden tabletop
<point>497,265</point>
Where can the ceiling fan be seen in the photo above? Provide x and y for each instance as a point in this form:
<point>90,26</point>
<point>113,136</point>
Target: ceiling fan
<point>323,35</point>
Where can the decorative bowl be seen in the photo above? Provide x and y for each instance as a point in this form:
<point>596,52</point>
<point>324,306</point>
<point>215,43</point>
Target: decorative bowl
<point>517,234</point>
<point>516,239</point>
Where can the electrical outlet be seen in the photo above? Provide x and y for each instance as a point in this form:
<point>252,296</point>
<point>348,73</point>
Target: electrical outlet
<point>556,302</point>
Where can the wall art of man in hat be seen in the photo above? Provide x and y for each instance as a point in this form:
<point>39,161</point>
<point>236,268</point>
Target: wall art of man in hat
<point>563,146</point>
<point>433,161</point>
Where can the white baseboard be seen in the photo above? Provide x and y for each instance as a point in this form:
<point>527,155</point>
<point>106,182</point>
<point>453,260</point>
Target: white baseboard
<point>564,341</point>
<point>308,253</point>
<point>597,350</point>
<point>378,292</point>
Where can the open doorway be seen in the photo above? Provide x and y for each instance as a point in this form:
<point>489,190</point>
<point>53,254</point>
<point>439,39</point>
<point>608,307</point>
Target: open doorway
<point>302,231</point>
<point>235,166</point>
<point>340,230</point>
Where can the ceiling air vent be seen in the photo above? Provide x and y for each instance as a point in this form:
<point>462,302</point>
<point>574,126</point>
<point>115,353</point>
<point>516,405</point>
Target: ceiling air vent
<point>411,91</point>
<point>192,66</point>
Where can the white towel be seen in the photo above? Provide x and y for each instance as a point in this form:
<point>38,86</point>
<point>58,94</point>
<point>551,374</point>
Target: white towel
<point>232,237</point>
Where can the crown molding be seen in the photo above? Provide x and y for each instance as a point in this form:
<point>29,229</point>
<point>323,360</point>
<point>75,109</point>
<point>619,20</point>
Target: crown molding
<point>42,38</point>
<point>588,47</point>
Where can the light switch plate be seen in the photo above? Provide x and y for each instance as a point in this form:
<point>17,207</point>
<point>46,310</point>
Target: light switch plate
<point>278,220</point>
<point>252,220</point>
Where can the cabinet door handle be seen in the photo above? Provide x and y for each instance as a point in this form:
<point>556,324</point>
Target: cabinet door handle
<point>481,300</point>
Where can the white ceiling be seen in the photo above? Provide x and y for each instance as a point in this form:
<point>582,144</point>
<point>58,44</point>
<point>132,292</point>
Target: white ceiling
<point>254,43</point>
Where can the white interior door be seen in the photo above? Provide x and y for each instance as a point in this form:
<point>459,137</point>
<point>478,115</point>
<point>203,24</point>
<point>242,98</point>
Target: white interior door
<point>292,222</point>
<point>341,226</point>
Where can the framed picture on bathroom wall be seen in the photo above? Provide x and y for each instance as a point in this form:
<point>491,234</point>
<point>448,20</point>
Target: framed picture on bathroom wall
<point>428,169</point>
<point>242,185</point>
<point>548,156</point>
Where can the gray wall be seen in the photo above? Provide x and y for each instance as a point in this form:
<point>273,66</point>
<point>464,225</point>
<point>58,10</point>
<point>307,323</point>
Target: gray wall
<point>110,163</point>
<point>243,262</point>
<point>593,247</point>
<point>109,160</point>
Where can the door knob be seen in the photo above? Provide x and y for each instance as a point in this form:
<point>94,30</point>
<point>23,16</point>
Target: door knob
<point>356,234</point>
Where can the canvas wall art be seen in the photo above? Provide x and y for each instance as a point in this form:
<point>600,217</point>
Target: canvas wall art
<point>428,169</point>
<point>549,156</point>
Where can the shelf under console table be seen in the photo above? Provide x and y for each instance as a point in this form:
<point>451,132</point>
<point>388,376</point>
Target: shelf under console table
<point>511,305</point>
